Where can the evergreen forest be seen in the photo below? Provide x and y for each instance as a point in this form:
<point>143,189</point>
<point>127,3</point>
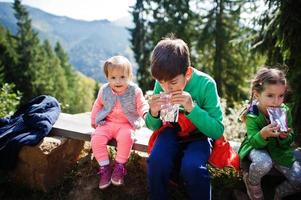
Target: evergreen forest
<point>230,40</point>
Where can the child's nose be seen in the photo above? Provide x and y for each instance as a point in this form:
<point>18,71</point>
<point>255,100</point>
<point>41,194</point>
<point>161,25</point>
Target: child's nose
<point>277,101</point>
<point>119,80</point>
<point>169,88</point>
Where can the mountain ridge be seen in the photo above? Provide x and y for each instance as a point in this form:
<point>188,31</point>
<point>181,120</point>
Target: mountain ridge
<point>88,43</point>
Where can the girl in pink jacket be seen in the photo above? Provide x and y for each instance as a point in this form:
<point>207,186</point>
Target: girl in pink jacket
<point>118,110</point>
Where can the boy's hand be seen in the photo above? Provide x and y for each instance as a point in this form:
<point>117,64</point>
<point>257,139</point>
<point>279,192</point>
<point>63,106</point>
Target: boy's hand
<point>270,130</point>
<point>155,103</point>
<point>183,98</point>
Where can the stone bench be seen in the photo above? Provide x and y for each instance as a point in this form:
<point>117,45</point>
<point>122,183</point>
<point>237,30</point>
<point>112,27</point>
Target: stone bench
<point>42,167</point>
<point>78,127</point>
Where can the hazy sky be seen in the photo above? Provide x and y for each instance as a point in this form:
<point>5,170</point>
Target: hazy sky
<point>83,9</point>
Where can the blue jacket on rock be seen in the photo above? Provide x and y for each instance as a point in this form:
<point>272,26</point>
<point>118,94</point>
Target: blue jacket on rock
<point>28,126</point>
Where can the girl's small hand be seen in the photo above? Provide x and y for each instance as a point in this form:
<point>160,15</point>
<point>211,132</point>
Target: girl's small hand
<point>93,125</point>
<point>155,103</point>
<point>270,130</point>
<point>284,135</point>
<point>183,98</point>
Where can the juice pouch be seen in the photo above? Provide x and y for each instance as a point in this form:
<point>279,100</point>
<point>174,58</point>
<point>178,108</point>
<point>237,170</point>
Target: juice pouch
<point>278,116</point>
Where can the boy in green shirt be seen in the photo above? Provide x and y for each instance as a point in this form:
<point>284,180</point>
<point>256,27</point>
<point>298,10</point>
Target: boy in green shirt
<point>196,93</point>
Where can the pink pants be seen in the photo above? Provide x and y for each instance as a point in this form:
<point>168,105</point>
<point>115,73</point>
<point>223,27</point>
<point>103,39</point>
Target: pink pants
<point>122,133</point>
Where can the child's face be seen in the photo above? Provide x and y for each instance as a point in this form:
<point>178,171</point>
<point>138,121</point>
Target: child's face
<point>118,79</point>
<point>271,96</point>
<point>176,84</point>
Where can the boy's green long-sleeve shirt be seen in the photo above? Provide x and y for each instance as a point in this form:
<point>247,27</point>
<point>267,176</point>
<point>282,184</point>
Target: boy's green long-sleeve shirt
<point>207,114</point>
<point>280,150</point>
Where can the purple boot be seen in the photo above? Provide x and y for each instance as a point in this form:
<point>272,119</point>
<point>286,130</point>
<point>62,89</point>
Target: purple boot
<point>118,174</point>
<point>105,176</point>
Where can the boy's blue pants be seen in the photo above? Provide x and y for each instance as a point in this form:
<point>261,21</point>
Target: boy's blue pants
<point>193,167</point>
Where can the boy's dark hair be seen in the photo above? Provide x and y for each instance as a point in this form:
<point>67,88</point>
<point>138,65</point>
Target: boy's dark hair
<point>169,59</point>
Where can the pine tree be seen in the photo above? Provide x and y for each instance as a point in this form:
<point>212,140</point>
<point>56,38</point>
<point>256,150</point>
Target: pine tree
<point>226,59</point>
<point>8,55</point>
<point>3,50</point>
<point>71,76</point>
<point>56,85</point>
<point>64,62</point>
<point>27,71</point>
<point>140,45</point>
<point>9,99</point>
<point>172,16</point>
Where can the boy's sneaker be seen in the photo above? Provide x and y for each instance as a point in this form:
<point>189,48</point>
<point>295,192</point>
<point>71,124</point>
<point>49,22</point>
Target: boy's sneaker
<point>254,191</point>
<point>118,174</point>
<point>105,173</point>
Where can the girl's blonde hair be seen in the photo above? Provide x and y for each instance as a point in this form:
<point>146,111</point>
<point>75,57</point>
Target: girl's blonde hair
<point>265,76</point>
<point>120,62</point>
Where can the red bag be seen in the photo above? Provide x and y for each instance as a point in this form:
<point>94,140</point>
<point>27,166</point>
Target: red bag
<point>186,127</point>
<point>223,155</point>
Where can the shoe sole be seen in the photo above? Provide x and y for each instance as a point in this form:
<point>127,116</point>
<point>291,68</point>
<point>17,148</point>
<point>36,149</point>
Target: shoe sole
<point>104,186</point>
<point>246,182</point>
<point>116,183</point>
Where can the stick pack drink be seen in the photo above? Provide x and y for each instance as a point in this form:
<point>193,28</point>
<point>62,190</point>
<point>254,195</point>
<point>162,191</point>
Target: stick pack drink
<point>278,116</point>
<point>168,112</point>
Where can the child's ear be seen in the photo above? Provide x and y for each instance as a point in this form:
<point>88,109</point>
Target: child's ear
<point>256,94</point>
<point>189,72</point>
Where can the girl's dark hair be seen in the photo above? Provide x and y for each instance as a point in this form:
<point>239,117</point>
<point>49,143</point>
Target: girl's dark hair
<point>265,76</point>
<point>169,59</point>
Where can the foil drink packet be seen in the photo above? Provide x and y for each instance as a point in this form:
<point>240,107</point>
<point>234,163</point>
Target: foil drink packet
<point>278,116</point>
<point>168,112</point>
